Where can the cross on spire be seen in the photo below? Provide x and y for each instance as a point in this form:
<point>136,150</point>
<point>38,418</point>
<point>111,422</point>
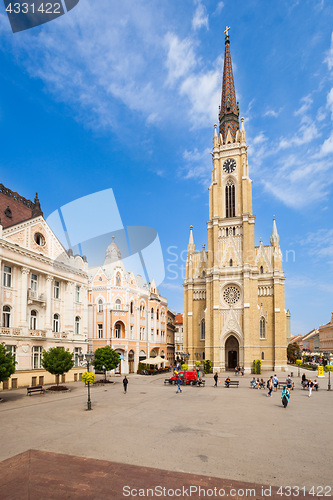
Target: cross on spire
<point>226,31</point>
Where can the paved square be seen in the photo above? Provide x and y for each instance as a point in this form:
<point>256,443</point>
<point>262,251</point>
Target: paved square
<point>235,433</point>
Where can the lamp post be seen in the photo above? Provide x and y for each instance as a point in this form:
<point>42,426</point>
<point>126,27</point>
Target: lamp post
<point>186,356</point>
<point>88,357</point>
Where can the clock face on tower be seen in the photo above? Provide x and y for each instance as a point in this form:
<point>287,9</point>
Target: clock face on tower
<point>229,165</point>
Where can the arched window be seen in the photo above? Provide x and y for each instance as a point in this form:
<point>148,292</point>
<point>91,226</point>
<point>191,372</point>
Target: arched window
<point>202,330</point>
<point>118,280</point>
<point>234,231</point>
<point>226,232</point>
<point>230,263</point>
<point>56,323</point>
<point>77,325</point>
<point>33,320</point>
<point>262,355</point>
<point>132,307</point>
<point>230,199</point>
<point>6,316</point>
<point>117,331</point>
<point>152,313</point>
<point>157,314</point>
<point>261,270</point>
<point>118,304</point>
<point>203,274</point>
<point>100,306</point>
<point>262,328</point>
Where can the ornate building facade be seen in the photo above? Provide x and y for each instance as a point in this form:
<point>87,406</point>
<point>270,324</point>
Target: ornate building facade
<point>43,291</point>
<point>126,313</point>
<point>234,305</point>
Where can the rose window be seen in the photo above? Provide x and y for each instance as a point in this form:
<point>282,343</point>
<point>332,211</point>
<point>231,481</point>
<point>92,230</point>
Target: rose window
<point>231,294</point>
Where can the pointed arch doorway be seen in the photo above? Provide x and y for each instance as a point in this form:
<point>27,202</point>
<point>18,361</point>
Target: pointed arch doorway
<point>231,352</point>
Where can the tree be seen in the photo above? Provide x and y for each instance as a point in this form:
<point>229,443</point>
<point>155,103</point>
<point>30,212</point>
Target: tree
<point>7,363</point>
<point>293,352</point>
<point>106,359</point>
<point>57,361</point>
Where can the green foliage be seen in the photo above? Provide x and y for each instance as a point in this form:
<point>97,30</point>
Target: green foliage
<point>257,366</point>
<point>106,359</point>
<point>293,352</point>
<point>329,368</point>
<point>88,377</point>
<point>208,366</point>
<point>57,361</point>
<point>197,363</point>
<point>184,367</point>
<point>298,362</point>
<point>7,363</point>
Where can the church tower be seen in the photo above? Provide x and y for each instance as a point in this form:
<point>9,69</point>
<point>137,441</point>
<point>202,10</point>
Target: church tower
<point>233,293</point>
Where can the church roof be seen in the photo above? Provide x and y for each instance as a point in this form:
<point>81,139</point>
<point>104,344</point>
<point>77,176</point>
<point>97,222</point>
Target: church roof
<point>229,112</point>
<point>15,209</point>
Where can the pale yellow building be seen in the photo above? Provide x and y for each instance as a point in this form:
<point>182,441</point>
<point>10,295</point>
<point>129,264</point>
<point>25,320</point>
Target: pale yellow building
<point>234,305</point>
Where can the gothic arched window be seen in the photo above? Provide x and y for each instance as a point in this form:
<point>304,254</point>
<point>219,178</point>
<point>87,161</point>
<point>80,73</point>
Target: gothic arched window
<point>262,328</point>
<point>100,306</point>
<point>230,199</point>
<point>202,330</point>
<point>230,262</point>
<point>261,270</point>
<point>118,280</point>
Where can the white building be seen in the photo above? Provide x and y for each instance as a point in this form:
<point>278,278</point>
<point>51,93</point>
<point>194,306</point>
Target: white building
<point>43,292</point>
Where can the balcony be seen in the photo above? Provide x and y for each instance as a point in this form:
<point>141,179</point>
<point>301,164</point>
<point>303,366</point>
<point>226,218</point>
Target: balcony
<point>39,334</point>
<point>10,331</point>
<point>36,297</point>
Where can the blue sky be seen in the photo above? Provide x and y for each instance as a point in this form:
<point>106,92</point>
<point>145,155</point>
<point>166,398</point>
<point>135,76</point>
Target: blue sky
<point>124,95</point>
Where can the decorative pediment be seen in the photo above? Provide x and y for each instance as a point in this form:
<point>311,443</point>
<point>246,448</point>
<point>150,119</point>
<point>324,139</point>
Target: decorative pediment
<point>231,324</point>
<point>230,252</point>
<point>262,259</point>
<point>37,236</point>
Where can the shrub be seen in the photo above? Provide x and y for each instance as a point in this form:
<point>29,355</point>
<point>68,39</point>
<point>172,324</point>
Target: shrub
<point>257,366</point>
<point>184,367</point>
<point>197,363</point>
<point>298,362</point>
<point>208,366</point>
<point>329,368</point>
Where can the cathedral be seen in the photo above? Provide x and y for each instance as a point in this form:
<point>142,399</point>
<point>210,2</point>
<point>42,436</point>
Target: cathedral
<point>234,305</point>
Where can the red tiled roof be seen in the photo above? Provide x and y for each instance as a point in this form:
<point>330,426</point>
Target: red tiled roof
<point>179,318</point>
<point>15,209</point>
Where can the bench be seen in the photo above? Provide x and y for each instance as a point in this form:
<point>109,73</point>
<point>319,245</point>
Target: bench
<point>232,383</point>
<point>36,388</point>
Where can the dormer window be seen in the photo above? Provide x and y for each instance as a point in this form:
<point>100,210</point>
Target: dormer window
<point>8,213</point>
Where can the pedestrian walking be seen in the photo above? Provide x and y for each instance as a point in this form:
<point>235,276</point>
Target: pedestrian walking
<point>275,382</point>
<point>270,386</point>
<point>285,396</point>
<point>125,383</point>
<point>179,383</point>
<point>310,385</point>
<point>216,378</point>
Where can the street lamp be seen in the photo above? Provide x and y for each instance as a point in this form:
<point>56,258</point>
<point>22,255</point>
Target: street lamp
<point>185,355</point>
<point>89,356</point>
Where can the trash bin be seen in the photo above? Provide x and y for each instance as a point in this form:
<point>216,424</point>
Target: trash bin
<point>291,374</point>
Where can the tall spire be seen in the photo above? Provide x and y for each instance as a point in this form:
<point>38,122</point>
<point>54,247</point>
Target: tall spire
<point>275,236</point>
<point>191,245</point>
<point>229,112</point>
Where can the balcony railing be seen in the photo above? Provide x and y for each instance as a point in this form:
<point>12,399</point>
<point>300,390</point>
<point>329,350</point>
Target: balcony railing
<point>38,333</point>
<point>10,331</point>
<point>33,296</point>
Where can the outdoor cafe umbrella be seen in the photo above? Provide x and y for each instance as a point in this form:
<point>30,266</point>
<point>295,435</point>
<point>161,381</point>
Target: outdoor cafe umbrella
<point>154,361</point>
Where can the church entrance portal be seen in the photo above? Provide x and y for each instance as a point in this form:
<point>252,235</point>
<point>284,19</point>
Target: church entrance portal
<point>232,352</point>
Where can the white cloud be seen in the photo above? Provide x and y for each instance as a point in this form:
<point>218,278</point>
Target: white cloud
<point>200,18</point>
<point>273,113</point>
<point>307,102</point>
<point>180,57</point>
<point>198,165</point>
<point>330,101</point>
<point>329,56</point>
<point>327,147</point>
<point>259,139</point>
<point>219,8</point>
